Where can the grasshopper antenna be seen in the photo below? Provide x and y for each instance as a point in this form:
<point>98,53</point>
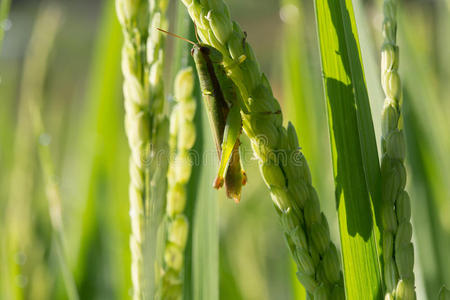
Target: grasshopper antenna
<point>176,35</point>
<point>196,33</point>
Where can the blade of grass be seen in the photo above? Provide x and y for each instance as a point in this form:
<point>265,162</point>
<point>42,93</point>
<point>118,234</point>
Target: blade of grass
<point>205,215</point>
<point>23,217</point>
<point>354,150</point>
<point>98,173</point>
<point>32,89</point>
<point>428,148</point>
<point>297,85</point>
<point>229,287</point>
<point>19,232</point>
<point>4,11</point>
<point>35,67</point>
<point>205,239</point>
<point>427,229</point>
<point>371,66</point>
<point>255,263</point>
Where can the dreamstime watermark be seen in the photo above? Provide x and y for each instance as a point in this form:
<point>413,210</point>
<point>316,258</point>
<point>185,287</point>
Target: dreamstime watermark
<point>281,157</point>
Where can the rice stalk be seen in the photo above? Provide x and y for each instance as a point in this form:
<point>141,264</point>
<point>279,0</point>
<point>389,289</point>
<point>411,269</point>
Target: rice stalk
<point>398,251</point>
<point>181,140</point>
<point>183,59</point>
<point>283,166</point>
<point>146,128</point>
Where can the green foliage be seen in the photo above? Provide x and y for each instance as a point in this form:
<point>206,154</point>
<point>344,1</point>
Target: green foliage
<point>232,251</point>
<point>4,10</point>
<point>354,150</point>
<point>35,67</point>
<point>426,149</point>
<point>98,207</point>
<point>305,227</point>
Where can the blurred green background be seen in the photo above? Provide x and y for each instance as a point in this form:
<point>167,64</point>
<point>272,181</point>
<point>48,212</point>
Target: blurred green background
<point>78,91</point>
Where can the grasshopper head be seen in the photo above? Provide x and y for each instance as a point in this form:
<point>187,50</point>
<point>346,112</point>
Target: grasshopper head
<point>207,51</point>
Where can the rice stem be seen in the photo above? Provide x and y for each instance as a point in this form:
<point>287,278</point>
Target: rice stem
<point>398,251</point>
<point>146,128</point>
<point>181,140</point>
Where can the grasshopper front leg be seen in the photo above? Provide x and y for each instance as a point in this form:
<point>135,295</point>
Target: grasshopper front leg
<point>230,138</point>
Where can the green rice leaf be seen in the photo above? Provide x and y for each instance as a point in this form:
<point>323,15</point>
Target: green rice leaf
<point>205,236</point>
<point>354,149</point>
<point>201,264</point>
<point>100,206</point>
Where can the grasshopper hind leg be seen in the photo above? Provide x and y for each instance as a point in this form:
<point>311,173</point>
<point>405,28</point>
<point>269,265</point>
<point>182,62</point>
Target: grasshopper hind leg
<point>230,145</point>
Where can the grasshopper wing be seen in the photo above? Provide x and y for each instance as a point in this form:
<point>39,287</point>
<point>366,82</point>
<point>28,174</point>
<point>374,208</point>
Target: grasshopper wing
<point>230,137</point>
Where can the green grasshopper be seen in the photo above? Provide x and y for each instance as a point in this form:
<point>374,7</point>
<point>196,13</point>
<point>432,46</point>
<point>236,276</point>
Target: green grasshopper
<point>224,113</point>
